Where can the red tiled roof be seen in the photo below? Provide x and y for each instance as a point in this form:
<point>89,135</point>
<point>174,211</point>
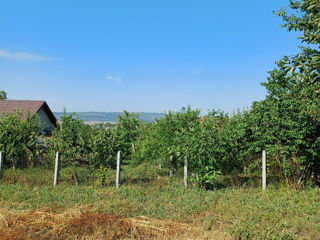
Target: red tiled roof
<point>10,106</point>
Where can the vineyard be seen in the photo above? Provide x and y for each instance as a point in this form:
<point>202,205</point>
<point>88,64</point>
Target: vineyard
<point>223,151</point>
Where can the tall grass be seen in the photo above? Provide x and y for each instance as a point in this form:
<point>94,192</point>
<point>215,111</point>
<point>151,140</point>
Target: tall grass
<point>249,213</point>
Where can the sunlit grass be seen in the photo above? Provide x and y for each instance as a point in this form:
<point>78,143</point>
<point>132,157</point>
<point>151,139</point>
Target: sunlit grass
<point>243,213</point>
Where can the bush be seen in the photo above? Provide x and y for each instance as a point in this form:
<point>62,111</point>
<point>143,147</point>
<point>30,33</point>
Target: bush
<point>72,140</point>
<point>20,139</point>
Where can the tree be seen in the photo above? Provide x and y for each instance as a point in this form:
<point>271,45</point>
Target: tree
<point>72,139</point>
<point>304,17</point>
<point>146,145</point>
<point>19,138</point>
<point>287,122</point>
<point>126,132</point>
<point>3,95</point>
<point>102,147</point>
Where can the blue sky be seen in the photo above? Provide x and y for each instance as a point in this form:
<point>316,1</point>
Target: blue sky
<point>143,56</point>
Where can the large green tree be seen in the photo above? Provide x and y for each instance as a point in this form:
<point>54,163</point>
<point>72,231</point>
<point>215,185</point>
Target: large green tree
<point>19,138</point>
<point>304,16</point>
<point>288,120</point>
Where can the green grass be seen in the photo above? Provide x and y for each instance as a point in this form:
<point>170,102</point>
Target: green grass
<point>244,213</point>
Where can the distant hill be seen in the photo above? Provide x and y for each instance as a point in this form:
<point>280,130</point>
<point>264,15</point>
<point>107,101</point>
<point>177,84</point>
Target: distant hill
<point>110,116</point>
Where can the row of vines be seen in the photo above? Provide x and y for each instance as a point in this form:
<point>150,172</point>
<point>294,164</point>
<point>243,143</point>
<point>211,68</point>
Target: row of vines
<point>286,124</point>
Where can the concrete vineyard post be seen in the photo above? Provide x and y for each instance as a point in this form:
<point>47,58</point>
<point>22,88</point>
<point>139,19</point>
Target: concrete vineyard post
<point>171,165</point>
<point>118,170</point>
<point>1,164</point>
<point>185,172</point>
<point>75,178</point>
<point>56,170</point>
<point>264,171</point>
<point>133,148</point>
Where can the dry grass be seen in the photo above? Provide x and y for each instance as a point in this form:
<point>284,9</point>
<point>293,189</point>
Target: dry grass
<point>150,207</point>
<point>77,224</point>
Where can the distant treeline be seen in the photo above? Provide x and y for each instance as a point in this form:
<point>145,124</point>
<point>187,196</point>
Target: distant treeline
<point>111,116</point>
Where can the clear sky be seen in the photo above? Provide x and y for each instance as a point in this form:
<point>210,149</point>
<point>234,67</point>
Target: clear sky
<point>143,56</point>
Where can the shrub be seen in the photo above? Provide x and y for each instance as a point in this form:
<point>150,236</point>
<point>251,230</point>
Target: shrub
<point>20,139</point>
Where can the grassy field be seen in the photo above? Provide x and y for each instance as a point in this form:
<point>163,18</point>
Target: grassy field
<point>149,205</point>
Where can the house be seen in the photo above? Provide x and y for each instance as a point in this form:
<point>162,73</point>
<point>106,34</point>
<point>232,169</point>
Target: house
<point>41,108</point>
